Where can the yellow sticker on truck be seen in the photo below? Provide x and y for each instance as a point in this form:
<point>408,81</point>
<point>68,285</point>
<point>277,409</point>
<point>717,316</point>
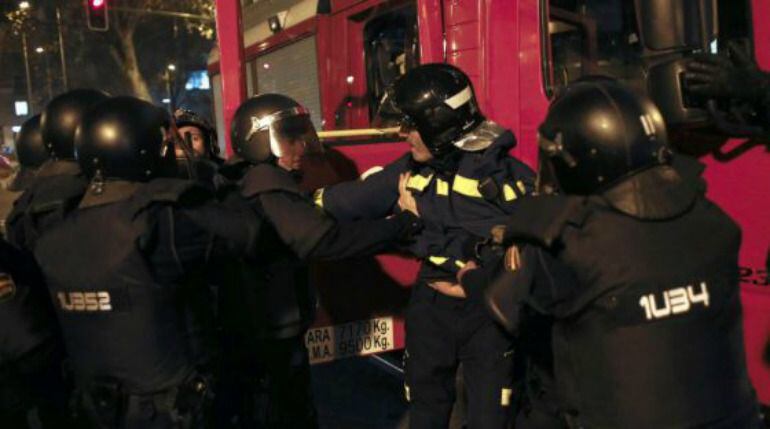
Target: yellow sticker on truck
<point>359,338</point>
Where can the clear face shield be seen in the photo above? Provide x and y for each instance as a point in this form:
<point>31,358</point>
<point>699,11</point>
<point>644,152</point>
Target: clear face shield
<point>292,133</point>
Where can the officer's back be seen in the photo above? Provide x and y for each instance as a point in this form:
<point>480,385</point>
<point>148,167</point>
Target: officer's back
<point>118,267</point>
<point>636,268</point>
<point>58,184</point>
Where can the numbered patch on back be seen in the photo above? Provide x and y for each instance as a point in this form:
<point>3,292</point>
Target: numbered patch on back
<point>7,287</point>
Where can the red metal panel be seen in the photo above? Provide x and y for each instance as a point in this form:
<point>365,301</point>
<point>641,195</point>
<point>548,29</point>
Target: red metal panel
<point>431,24</point>
<point>740,187</point>
<point>499,40</point>
<point>289,35</point>
<point>532,97</point>
<point>460,11</point>
<point>230,38</point>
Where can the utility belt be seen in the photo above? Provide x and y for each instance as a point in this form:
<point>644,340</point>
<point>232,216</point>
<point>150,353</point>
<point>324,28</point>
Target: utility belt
<point>107,403</point>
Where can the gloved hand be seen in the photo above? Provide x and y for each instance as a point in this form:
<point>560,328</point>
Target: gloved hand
<point>737,77</point>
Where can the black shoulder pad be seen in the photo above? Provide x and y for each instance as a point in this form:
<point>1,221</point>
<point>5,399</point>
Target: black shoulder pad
<point>542,219</point>
<point>169,190</point>
<point>56,191</point>
<point>265,178</point>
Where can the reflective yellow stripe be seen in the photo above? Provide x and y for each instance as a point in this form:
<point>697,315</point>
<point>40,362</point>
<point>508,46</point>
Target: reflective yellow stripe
<point>522,188</point>
<point>437,260</point>
<point>460,263</point>
<point>505,397</point>
<point>465,186</point>
<point>442,187</point>
<point>508,193</point>
<point>318,197</point>
<point>418,183</point>
<point>407,393</point>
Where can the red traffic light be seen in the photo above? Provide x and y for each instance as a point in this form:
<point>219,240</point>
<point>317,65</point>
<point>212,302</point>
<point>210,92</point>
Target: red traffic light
<point>97,16</point>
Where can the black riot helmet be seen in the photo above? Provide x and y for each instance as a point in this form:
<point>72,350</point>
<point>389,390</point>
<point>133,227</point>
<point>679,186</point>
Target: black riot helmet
<point>439,102</point>
<point>125,138</point>
<point>264,123</point>
<point>596,133</point>
<point>30,148</point>
<point>31,152</point>
<point>188,118</point>
<point>62,116</point>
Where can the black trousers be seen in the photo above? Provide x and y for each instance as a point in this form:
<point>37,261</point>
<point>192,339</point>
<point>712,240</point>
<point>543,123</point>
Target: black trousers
<point>36,382</point>
<point>269,387</point>
<point>441,333</point>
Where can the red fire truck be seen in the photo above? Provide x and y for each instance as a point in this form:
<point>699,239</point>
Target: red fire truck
<point>337,56</point>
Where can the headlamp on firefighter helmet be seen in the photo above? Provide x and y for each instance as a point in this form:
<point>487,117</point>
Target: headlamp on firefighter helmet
<point>265,125</point>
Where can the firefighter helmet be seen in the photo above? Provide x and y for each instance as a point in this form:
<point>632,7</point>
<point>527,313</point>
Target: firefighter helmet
<point>438,101</point>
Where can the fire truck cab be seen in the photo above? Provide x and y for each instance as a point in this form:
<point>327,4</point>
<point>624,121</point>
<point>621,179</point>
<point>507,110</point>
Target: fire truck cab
<point>337,56</point>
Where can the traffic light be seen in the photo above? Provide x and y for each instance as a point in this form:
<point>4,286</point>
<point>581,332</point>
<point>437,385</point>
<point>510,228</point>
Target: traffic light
<point>96,12</point>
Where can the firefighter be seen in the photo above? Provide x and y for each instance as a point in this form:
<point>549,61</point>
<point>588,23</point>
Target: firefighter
<point>462,178</point>
<point>199,138</point>
<point>58,184</point>
<point>273,134</point>
<point>121,271</point>
<point>635,268</point>
<point>31,154</point>
<point>31,351</point>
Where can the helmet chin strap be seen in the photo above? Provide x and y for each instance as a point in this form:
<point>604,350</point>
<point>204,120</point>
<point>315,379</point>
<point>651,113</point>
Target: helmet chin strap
<point>446,163</point>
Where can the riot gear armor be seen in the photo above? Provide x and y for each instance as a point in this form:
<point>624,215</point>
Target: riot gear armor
<point>265,122</point>
<point>438,101</point>
<point>596,133</point>
<point>125,138</point>
<point>62,116</point>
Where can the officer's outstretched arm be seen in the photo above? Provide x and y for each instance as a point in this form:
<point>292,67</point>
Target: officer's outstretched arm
<point>237,230</point>
<point>373,196</point>
<point>314,235</point>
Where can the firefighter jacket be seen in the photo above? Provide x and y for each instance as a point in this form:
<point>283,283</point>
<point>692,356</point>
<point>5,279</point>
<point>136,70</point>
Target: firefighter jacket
<point>121,272</point>
<point>281,304</point>
<point>458,207</point>
<point>56,190</point>
<point>646,312</point>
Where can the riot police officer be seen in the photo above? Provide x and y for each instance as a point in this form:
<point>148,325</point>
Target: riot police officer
<point>635,268</point>
<point>31,154</point>
<point>462,179</point>
<point>31,351</point>
<point>197,152</point>
<point>58,184</point>
<point>119,271</point>
<point>273,134</point>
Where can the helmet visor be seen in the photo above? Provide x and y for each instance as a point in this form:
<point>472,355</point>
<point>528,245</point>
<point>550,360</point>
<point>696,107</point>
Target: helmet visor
<point>292,131</point>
